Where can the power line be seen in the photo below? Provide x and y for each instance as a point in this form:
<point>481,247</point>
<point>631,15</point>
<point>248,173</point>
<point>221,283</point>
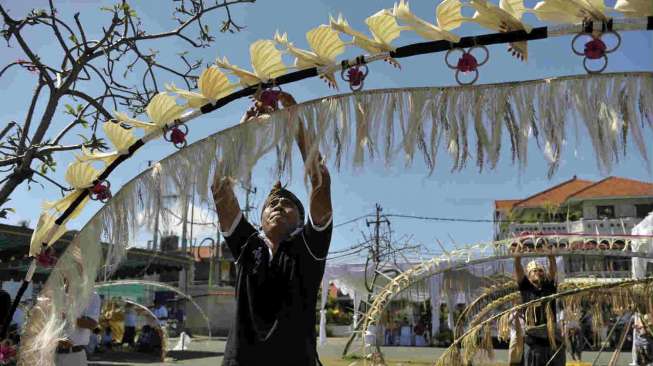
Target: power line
<point>352,220</point>
<point>435,218</point>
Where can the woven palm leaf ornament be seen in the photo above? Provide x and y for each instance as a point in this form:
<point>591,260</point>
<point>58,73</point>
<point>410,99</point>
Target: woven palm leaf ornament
<point>430,117</point>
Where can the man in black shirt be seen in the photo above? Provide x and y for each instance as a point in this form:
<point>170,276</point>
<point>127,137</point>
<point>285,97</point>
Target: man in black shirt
<point>279,268</point>
<point>535,284</point>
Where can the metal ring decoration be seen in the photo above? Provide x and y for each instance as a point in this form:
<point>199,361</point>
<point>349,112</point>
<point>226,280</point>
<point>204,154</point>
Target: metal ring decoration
<point>485,50</point>
<point>589,70</point>
<point>355,76</point>
<point>177,135</point>
<point>573,43</point>
<point>617,36</point>
<point>446,57</point>
<point>595,49</point>
<point>467,63</point>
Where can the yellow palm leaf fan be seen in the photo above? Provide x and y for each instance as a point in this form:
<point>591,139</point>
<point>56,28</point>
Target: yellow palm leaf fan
<point>46,232</point>
<point>635,8</point>
<point>162,110</point>
<point>325,44</point>
<point>448,17</point>
<point>213,84</point>
<point>384,30</point>
<point>570,11</point>
<point>266,64</point>
<point>120,137</point>
<point>80,176</point>
<point>503,18</point>
<point>266,60</point>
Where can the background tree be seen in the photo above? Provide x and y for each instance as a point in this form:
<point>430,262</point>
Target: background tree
<point>90,78</point>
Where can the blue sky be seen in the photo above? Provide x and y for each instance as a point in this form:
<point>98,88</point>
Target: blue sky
<point>465,194</point>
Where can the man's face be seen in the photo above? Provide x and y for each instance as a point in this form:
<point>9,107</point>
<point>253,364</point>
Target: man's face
<point>280,217</point>
<point>536,276</point>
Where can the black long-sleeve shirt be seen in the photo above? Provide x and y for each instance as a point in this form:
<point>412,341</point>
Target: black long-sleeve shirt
<point>275,299</point>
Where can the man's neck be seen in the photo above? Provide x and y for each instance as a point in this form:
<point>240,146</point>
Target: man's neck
<point>273,241</point>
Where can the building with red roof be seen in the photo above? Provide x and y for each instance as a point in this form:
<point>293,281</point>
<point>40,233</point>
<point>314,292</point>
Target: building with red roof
<point>613,205</point>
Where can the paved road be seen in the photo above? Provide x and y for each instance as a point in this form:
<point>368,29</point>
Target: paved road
<point>205,352</point>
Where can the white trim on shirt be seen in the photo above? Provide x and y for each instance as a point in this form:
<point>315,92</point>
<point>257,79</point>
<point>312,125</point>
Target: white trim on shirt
<point>234,224</point>
<point>323,227</point>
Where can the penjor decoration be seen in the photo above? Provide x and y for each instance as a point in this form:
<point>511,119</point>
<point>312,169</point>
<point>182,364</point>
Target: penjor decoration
<point>445,117</point>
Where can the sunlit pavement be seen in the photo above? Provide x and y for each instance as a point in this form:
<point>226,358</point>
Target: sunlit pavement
<point>209,352</point>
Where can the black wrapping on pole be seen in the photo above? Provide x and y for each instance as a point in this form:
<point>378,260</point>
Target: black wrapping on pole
<point>114,164</point>
<point>7,321</point>
<point>466,42</point>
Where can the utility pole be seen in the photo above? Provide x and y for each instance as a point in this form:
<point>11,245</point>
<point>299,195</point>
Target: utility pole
<point>248,191</point>
<point>377,224</point>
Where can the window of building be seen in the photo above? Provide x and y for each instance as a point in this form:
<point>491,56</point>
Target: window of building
<point>643,210</point>
<point>605,212</point>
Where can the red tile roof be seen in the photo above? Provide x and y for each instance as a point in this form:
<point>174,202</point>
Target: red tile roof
<point>504,205</point>
<point>615,187</point>
<point>579,189</point>
<point>557,194</point>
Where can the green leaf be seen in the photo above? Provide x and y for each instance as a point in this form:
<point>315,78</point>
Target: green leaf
<point>79,107</point>
<point>83,122</point>
<point>73,39</point>
<point>69,109</point>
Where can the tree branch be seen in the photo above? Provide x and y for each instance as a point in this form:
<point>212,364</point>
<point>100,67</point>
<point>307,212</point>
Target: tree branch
<point>175,32</point>
<point>13,30</point>
<point>6,129</point>
<point>57,148</point>
<point>99,107</point>
<point>57,34</point>
<point>60,186</point>
<point>28,119</point>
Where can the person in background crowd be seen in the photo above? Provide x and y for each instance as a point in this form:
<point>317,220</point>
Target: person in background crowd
<point>107,338</point>
<point>71,350</point>
<point>643,340</point>
<point>93,345</point>
<point>161,312</point>
<point>130,325</point>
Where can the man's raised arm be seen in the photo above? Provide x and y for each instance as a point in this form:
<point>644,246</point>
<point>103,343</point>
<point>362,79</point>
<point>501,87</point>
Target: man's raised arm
<point>226,203</point>
<point>320,198</point>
